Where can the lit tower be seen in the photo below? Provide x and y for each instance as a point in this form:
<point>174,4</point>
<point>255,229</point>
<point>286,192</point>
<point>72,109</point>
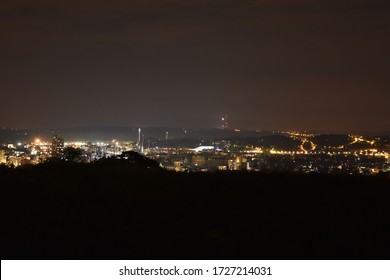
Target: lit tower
<point>225,122</point>
<point>139,138</point>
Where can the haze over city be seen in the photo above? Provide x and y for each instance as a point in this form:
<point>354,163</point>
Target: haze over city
<point>276,65</point>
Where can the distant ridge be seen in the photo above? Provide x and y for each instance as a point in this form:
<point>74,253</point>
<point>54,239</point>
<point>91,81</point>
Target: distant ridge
<point>130,133</point>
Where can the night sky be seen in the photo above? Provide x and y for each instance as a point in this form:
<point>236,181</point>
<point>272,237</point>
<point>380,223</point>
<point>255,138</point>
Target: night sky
<point>272,64</point>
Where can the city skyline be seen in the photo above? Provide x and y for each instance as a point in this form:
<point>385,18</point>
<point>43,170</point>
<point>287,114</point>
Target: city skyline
<point>287,151</point>
<point>268,65</point>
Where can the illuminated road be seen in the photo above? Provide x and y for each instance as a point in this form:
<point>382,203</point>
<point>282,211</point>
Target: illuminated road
<point>312,145</point>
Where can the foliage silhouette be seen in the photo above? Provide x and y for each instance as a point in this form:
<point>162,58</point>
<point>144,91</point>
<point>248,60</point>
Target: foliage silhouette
<point>131,159</point>
<point>73,154</point>
<point>112,211</point>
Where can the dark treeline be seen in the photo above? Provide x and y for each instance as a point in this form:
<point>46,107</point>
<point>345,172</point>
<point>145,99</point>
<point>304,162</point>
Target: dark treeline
<point>107,210</point>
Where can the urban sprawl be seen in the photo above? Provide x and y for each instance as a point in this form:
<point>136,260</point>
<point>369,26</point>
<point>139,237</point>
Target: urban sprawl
<point>289,151</point>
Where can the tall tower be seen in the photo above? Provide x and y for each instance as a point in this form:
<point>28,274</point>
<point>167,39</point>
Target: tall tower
<point>225,122</point>
<point>140,143</point>
<point>57,147</point>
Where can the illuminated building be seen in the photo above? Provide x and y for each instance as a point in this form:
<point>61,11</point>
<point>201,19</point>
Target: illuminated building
<point>14,161</point>
<point>203,149</point>
<point>209,162</point>
<point>3,158</point>
<point>57,147</point>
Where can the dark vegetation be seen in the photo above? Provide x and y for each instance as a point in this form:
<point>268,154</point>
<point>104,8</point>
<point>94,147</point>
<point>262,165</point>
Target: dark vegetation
<point>131,209</point>
<point>334,140</point>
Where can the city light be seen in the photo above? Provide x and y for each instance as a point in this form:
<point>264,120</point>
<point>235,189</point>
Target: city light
<point>308,154</point>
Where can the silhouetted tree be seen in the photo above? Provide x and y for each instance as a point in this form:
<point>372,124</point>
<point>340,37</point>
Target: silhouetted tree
<point>73,154</point>
<point>139,160</point>
<point>132,159</point>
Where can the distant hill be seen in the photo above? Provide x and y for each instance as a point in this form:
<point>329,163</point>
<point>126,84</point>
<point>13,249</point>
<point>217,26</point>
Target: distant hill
<point>331,140</point>
<point>187,137</point>
<point>123,133</point>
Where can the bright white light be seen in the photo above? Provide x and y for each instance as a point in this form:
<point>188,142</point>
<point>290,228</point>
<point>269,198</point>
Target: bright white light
<point>203,148</point>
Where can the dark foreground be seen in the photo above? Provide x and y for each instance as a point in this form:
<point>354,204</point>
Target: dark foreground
<point>100,212</point>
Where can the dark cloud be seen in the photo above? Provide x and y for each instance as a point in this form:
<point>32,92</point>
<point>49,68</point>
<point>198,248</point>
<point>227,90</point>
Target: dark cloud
<point>313,65</point>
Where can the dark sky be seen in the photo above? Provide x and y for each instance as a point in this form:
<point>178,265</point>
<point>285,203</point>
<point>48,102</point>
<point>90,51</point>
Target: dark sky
<point>272,64</point>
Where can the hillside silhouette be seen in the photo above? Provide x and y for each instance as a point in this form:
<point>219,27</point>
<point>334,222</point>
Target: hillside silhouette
<point>129,208</point>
